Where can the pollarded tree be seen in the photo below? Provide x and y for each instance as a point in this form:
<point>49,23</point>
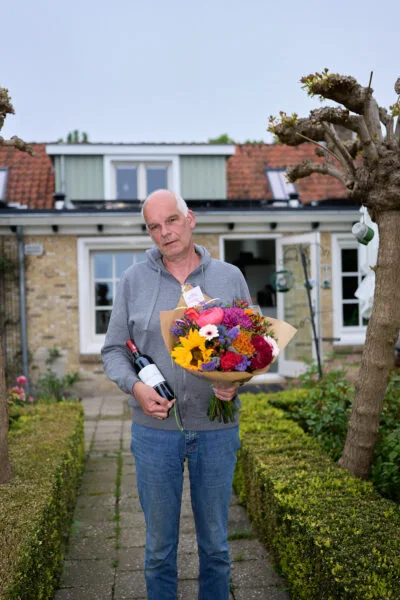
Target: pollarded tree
<point>5,468</point>
<point>369,167</point>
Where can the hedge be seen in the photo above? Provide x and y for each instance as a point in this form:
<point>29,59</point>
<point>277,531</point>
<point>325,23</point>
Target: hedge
<point>47,453</point>
<point>331,535</point>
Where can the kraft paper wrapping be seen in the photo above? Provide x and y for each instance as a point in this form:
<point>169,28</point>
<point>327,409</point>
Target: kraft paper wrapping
<point>283,333</point>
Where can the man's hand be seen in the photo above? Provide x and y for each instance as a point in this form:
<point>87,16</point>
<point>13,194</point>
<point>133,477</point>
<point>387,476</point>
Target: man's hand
<point>152,403</point>
<point>226,392</point>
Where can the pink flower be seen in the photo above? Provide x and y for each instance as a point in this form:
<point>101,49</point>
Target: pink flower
<point>209,332</point>
<point>31,399</point>
<point>22,380</point>
<point>211,316</point>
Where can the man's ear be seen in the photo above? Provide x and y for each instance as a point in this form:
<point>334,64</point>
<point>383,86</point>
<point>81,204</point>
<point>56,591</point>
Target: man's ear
<point>191,218</point>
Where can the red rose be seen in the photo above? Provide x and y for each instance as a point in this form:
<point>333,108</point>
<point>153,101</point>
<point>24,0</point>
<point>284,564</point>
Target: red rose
<point>210,316</point>
<point>191,313</point>
<point>264,353</point>
<point>229,360</point>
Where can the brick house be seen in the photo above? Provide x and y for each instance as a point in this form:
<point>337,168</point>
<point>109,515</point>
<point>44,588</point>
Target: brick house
<point>74,210</point>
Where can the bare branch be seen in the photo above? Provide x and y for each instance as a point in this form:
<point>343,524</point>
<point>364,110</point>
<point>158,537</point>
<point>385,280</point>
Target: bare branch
<point>356,123</point>
<point>307,167</point>
<point>294,133</point>
<point>341,152</point>
<point>17,143</point>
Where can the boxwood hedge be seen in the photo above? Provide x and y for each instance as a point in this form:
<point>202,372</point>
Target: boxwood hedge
<point>331,534</point>
<point>47,453</point>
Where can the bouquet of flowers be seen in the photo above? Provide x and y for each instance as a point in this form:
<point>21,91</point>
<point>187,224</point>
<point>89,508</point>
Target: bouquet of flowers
<point>223,342</point>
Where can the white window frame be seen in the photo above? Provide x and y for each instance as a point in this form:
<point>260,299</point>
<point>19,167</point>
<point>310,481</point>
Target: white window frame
<point>89,342</point>
<point>111,163</point>
<point>349,336</point>
<point>3,182</point>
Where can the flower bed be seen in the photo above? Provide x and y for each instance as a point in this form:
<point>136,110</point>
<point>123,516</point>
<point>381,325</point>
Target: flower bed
<point>330,534</point>
<point>46,452</point>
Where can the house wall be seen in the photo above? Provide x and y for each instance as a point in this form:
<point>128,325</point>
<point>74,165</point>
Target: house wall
<point>53,317</point>
<point>53,313</point>
<point>203,177</point>
<point>83,177</point>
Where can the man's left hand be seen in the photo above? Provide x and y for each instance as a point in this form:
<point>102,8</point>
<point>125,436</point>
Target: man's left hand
<point>226,392</point>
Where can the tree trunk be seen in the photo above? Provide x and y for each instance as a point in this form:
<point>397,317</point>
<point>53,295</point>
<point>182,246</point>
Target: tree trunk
<point>5,467</point>
<point>378,354</point>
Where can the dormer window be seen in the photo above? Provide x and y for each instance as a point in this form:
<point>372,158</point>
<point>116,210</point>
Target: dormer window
<point>3,182</point>
<point>280,188</point>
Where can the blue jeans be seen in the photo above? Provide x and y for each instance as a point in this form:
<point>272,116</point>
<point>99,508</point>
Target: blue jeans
<point>159,458</point>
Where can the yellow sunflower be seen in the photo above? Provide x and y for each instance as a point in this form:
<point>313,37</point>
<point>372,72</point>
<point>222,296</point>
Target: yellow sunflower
<point>193,352</point>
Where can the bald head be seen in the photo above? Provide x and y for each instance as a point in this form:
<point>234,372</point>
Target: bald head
<point>162,196</point>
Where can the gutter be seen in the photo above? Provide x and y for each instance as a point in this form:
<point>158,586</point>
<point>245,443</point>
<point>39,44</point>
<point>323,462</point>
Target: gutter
<point>22,306</point>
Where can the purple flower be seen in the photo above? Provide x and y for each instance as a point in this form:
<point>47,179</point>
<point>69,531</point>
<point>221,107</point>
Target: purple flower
<point>236,316</point>
<point>212,365</point>
<point>243,365</point>
<point>233,333</point>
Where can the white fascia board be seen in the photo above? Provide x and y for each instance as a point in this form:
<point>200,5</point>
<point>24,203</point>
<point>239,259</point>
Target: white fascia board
<point>329,220</point>
<point>142,150</point>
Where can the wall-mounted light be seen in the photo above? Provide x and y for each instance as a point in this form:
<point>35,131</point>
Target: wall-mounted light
<point>54,228</point>
<point>231,226</point>
<point>100,228</point>
<point>144,228</point>
<point>273,225</point>
<point>315,225</point>
<point>326,277</point>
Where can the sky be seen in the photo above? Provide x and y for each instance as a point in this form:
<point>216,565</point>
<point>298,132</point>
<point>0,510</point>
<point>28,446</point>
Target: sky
<point>180,71</point>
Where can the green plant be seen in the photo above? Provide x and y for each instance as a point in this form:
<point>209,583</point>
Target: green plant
<point>52,388</point>
<point>53,354</point>
<point>330,534</point>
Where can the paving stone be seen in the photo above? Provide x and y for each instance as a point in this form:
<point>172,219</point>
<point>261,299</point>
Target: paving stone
<point>102,529</point>
<point>187,589</point>
<point>97,503</point>
<point>89,513</point>
<point>129,538</point>
<point>87,573</point>
<point>254,574</point>
<point>130,559</point>
<point>265,593</point>
<point>89,593</point>
<point>187,543</point>
<point>92,548</point>
<point>188,565</point>
<point>247,550</point>
<point>187,525</point>
<point>129,585</point>
<point>238,513</point>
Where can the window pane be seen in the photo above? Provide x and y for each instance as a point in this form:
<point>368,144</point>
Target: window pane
<point>123,260</point>
<point>102,265</point>
<point>350,260</point>
<point>3,183</point>
<point>156,178</point>
<point>127,183</point>
<point>350,315</point>
<point>349,286</point>
<point>102,320</point>
<point>104,294</point>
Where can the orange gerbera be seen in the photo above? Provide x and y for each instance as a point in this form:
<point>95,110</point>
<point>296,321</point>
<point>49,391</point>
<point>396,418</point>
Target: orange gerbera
<point>243,344</point>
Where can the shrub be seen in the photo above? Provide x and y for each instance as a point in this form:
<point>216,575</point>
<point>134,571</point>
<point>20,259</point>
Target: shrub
<point>52,388</point>
<point>46,452</point>
<point>331,535</point>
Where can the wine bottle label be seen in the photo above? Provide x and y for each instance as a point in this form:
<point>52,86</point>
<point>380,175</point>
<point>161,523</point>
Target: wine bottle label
<point>150,375</point>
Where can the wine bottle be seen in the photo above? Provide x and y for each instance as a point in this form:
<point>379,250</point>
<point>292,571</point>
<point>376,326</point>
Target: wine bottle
<point>149,373</point>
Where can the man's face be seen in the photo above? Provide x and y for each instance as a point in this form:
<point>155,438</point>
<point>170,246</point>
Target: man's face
<point>169,229</point>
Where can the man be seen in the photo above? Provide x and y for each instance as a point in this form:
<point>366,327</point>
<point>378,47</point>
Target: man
<point>158,444</point>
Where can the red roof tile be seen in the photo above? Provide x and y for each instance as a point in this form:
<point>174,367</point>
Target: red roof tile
<point>30,179</point>
<point>247,179</point>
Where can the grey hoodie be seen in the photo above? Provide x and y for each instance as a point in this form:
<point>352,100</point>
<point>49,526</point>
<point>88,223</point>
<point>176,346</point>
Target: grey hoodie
<point>144,290</point>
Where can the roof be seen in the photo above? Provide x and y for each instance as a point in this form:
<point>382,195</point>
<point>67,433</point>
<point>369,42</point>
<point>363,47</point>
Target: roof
<point>247,179</point>
<point>30,178</point>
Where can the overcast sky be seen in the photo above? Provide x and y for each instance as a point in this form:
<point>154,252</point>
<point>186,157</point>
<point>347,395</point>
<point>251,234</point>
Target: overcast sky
<point>183,71</point>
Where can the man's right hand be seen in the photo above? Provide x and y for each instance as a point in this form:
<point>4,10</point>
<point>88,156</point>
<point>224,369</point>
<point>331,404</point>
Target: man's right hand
<point>152,403</point>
